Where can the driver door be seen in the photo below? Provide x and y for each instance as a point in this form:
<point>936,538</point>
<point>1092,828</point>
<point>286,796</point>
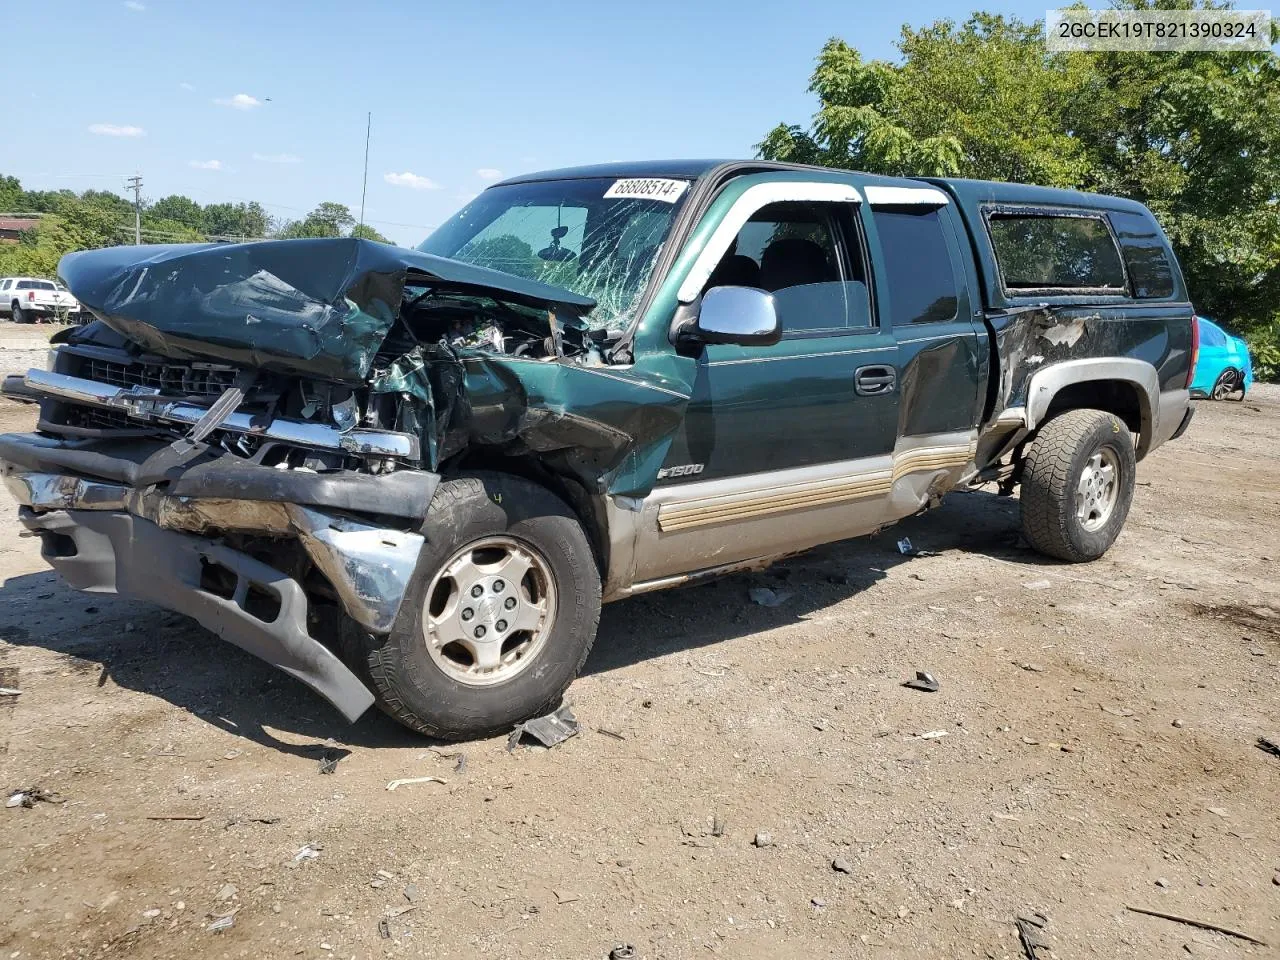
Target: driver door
<point>788,445</point>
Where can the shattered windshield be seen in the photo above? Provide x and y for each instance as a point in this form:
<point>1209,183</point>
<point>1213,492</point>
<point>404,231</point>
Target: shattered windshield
<point>597,237</point>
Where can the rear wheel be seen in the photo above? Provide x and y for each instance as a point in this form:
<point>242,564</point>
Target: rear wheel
<point>499,616</point>
<point>1226,384</point>
<point>1077,485</point>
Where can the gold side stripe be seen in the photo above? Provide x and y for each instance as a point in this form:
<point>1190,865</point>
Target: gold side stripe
<point>727,508</point>
<point>697,513</point>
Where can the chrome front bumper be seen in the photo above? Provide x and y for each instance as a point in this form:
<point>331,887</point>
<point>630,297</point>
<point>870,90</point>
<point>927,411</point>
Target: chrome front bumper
<point>146,404</point>
<point>111,538</point>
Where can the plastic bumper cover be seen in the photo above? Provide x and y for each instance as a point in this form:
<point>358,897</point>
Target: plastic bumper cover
<point>116,552</point>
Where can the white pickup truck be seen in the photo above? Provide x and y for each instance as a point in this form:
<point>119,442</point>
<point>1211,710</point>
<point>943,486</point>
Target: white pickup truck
<point>29,299</point>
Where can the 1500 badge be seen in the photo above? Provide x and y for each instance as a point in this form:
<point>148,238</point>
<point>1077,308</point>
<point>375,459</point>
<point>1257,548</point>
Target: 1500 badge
<point>685,470</point>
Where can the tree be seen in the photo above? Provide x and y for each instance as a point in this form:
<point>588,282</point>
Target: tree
<point>366,232</point>
<point>248,220</point>
<point>1195,136</point>
<point>178,209</point>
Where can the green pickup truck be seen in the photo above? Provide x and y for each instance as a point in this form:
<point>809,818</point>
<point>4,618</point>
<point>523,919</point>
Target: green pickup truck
<point>411,477</point>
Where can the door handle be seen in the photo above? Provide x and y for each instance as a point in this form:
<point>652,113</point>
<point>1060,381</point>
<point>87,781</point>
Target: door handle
<point>875,380</point>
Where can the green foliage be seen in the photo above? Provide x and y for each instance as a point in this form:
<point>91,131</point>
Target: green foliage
<point>99,218</point>
<point>1195,136</point>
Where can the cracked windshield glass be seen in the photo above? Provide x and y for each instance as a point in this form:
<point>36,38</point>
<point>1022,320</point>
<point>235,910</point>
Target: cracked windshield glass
<point>597,237</point>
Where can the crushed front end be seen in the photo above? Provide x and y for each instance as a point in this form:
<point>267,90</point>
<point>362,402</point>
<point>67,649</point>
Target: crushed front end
<point>257,526</point>
<point>250,435</point>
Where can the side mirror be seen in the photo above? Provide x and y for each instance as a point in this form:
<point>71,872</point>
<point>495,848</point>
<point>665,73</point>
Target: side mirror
<point>741,315</point>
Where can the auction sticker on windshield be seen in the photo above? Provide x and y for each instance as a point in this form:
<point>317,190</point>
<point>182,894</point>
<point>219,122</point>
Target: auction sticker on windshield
<point>648,188</point>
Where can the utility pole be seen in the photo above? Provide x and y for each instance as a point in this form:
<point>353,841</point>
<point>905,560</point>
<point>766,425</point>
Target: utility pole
<point>368,128</point>
<point>135,184</point>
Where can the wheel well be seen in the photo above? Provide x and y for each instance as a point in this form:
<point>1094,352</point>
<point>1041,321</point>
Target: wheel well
<point>565,486</point>
<point>1119,397</point>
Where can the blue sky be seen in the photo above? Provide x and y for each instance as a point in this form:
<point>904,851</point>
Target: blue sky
<point>231,99</point>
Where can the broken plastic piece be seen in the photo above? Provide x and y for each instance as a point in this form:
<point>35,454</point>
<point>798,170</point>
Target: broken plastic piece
<point>768,598</point>
<point>218,924</point>
<point>400,783</point>
<point>1270,746</point>
<point>924,682</point>
<point>549,730</point>
<point>1030,930</point>
<point>905,548</point>
<point>623,951</point>
<point>29,796</point>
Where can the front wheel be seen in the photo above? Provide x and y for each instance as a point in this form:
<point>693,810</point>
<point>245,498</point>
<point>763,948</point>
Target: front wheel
<point>499,616</point>
<point>1077,485</point>
<point>18,315</point>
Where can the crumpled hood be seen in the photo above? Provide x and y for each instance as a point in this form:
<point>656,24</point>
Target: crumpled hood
<point>318,308</point>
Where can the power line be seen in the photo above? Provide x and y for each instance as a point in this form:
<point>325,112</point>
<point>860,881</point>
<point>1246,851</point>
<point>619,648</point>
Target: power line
<point>135,184</point>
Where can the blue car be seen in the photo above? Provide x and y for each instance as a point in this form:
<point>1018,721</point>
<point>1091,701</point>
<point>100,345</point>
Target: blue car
<point>1223,366</point>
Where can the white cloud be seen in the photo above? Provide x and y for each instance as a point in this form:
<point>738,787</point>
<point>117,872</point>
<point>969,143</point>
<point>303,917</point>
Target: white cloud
<point>116,130</point>
<point>277,157</point>
<point>411,180</point>
<point>186,86</point>
<point>135,6</point>
<point>206,164</point>
<point>489,173</point>
<point>241,101</point>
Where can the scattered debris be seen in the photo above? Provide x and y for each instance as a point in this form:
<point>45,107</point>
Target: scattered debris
<point>177,816</point>
<point>763,840</point>
<point>410,892</point>
<point>1032,667</point>
<point>610,733</point>
<point>766,597</point>
<point>1162,882</point>
<point>931,735</point>
<point>818,902</point>
<point>408,780</point>
<point>924,682</point>
<point>1038,585</point>
<point>235,821</point>
<point>10,692</point>
<point>460,765</point>
<point>225,922</point>
<point>565,896</point>
<point>329,762</point>
<point>905,548</point>
<point>307,852</point>
<point>717,825</point>
<point>841,865</point>
<point>226,893</point>
<point>1270,746</point>
<point>1201,924</point>
<point>1218,811</point>
<point>29,796</point>
<point>1030,932</point>
<point>151,914</point>
<point>1178,723</point>
<point>622,951</point>
<point>550,730</point>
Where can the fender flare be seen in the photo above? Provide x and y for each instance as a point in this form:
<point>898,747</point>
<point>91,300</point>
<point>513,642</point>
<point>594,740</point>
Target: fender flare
<point>1044,384</point>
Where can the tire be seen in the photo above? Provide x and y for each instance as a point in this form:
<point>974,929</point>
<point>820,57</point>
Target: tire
<point>17,312</point>
<point>1053,475</point>
<point>428,687</point>
<point>1225,385</point>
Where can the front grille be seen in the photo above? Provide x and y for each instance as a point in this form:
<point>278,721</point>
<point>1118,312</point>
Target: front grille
<point>94,419</point>
<point>174,379</point>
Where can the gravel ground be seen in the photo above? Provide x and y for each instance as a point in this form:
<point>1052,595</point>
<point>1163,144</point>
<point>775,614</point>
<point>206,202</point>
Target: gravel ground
<point>1092,747</point>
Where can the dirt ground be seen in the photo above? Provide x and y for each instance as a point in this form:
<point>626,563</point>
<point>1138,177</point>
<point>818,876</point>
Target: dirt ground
<point>1092,747</point>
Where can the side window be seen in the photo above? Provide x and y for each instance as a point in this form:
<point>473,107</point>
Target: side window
<point>4,284</point>
<point>1144,255</point>
<point>797,251</point>
<point>1046,251</point>
<point>26,285</point>
<point>918,271</point>
<point>1211,336</point>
